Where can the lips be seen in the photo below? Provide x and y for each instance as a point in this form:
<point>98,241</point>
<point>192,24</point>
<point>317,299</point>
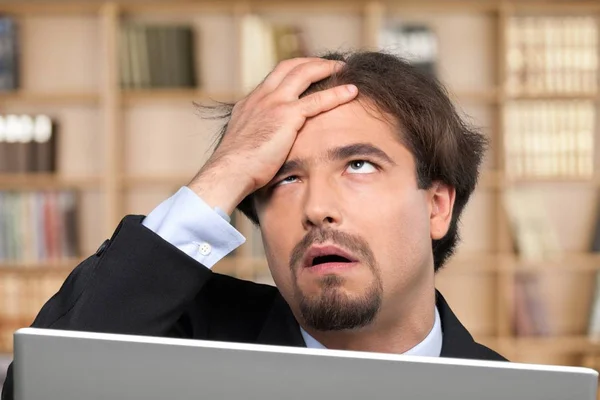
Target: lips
<point>318,255</point>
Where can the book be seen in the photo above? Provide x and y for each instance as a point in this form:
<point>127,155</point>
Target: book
<point>44,144</point>
<point>594,312</point>
<point>124,58</point>
<point>157,56</point>
<point>535,237</point>
<point>22,127</point>
<point>522,321</point>
<point>530,313</point>
<point>186,65</point>
<point>264,44</point>
<point>552,54</point>
<point>4,164</point>
<point>549,138</point>
<point>416,43</point>
<point>27,144</point>
<point>289,42</point>
<point>258,54</point>
<point>595,242</point>
<point>9,53</point>
<point>38,226</point>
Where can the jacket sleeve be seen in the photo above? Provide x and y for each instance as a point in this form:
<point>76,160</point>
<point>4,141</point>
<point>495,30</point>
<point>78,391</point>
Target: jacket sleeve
<point>137,283</point>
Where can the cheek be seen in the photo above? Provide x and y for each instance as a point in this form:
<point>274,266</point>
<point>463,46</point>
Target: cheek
<point>398,235</point>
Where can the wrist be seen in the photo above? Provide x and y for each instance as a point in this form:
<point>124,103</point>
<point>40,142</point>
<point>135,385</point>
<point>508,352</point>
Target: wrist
<point>220,189</point>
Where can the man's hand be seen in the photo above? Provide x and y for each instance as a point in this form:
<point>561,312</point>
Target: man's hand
<point>263,128</point>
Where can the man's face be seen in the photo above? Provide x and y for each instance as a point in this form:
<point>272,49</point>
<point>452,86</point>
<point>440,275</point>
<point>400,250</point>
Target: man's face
<point>347,232</point>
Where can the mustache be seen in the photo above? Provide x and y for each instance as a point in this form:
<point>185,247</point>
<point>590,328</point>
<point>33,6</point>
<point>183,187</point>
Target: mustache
<point>355,244</point>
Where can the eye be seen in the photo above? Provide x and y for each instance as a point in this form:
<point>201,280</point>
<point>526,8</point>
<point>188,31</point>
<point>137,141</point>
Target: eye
<point>361,167</point>
<point>289,179</point>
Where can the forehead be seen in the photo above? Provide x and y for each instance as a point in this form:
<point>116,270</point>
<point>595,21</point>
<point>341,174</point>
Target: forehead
<point>347,124</point>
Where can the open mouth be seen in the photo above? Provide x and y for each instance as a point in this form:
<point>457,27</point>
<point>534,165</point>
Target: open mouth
<point>333,258</point>
<point>322,258</point>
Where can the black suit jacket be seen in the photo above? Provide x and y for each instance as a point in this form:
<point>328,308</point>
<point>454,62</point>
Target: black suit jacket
<point>137,283</point>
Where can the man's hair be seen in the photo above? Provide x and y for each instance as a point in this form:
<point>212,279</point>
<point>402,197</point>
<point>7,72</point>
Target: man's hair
<point>444,147</point>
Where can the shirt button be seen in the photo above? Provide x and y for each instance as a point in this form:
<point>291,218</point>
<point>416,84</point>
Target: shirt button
<point>205,249</point>
<point>102,247</point>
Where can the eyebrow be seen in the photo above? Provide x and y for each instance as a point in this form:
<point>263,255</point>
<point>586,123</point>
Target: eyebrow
<point>337,154</point>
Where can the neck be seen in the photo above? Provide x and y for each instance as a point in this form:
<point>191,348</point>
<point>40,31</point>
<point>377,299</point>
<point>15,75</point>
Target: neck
<point>393,331</point>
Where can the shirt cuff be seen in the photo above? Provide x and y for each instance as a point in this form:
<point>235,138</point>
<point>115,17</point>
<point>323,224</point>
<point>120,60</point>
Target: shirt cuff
<point>188,223</point>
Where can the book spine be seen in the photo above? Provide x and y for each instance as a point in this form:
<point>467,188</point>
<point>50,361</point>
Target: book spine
<point>4,165</point>
<point>187,46</point>
<point>523,324</point>
<point>136,61</point>
<point>162,49</point>
<point>70,224</point>
<point>8,54</point>
<point>594,319</point>
<point>40,205</point>
<point>3,228</point>
<point>124,58</point>
<point>144,56</point>
<point>45,144</point>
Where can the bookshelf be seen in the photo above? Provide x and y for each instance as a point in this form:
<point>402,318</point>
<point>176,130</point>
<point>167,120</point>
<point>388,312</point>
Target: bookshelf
<point>126,150</point>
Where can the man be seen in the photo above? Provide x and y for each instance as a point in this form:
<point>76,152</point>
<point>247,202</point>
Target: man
<point>356,168</point>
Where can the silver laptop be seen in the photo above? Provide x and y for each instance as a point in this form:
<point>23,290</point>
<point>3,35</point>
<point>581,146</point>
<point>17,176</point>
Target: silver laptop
<point>51,364</point>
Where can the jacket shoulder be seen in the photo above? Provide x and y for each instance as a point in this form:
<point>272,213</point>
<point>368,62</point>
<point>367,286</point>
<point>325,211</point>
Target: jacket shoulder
<point>485,353</point>
<point>235,309</point>
<point>227,291</point>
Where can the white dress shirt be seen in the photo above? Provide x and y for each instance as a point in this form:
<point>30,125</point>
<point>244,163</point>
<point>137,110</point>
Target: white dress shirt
<point>188,223</point>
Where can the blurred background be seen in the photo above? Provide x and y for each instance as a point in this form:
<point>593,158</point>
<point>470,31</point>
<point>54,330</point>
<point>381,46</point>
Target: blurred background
<point>97,121</point>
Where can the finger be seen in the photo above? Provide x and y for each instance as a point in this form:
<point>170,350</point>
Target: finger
<point>303,75</point>
<point>281,70</point>
<point>326,100</point>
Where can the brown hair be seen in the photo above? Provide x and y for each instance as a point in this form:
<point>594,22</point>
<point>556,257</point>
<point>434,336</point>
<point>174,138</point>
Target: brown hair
<point>445,148</point>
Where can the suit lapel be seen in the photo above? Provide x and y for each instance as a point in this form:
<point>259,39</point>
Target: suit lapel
<point>457,342</point>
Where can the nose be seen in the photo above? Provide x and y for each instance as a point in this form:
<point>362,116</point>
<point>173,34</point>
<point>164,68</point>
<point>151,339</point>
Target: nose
<point>321,205</point>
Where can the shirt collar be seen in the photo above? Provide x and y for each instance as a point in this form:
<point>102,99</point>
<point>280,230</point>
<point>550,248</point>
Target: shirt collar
<point>431,346</point>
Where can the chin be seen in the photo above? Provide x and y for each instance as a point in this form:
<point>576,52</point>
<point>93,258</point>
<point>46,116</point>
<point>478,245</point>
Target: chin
<point>335,308</point>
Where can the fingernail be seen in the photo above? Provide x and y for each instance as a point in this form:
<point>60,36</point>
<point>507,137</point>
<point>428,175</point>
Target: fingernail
<point>352,89</point>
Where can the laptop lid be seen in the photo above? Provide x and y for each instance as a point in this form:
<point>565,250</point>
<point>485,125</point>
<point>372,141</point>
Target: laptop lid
<point>68,365</point>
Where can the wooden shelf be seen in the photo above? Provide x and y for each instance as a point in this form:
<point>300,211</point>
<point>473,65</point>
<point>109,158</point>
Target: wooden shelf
<point>510,263</point>
<point>567,262</point>
<point>141,96</point>
<point>58,267</point>
<point>553,96</point>
<point>509,181</point>
<point>401,7</point>
<point>245,268</point>
<point>45,7</point>
<point>492,179</point>
<point>559,7</point>
<point>34,181</point>
<point>490,96</point>
<point>24,97</point>
<point>554,344</point>
<point>157,180</point>
<point>466,262</point>
<point>19,7</point>
<point>176,7</point>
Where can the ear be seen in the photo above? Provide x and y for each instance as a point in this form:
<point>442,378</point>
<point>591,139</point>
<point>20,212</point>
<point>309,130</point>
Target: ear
<point>441,203</point>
